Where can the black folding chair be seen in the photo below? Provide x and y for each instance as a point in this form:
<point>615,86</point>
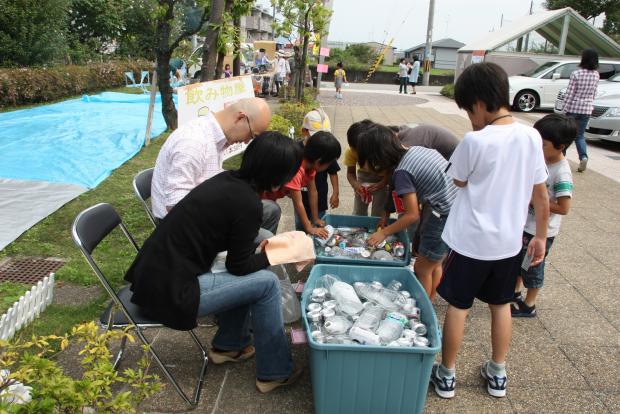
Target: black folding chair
<point>142,188</point>
<point>89,228</point>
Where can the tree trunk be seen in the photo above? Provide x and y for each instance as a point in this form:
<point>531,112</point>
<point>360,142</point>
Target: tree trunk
<point>301,71</point>
<point>219,67</point>
<point>164,53</point>
<point>210,52</point>
<point>237,48</point>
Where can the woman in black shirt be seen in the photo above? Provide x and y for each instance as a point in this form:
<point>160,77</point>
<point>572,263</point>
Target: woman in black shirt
<point>170,277</point>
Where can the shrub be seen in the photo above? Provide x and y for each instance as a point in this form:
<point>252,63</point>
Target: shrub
<point>294,112</point>
<point>448,90</point>
<point>35,85</point>
<point>32,364</point>
<point>280,124</point>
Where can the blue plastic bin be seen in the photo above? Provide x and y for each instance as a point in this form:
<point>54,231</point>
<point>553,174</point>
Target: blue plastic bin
<point>370,223</point>
<point>371,379</point>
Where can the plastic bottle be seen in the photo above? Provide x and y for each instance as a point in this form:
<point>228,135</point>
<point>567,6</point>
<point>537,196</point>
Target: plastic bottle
<point>344,294</point>
<point>370,318</point>
<point>394,285</point>
<point>364,337</point>
<point>337,325</point>
<point>391,327</point>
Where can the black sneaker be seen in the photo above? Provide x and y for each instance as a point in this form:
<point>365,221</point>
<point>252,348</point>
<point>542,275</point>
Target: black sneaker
<point>444,386</point>
<point>517,297</point>
<point>521,310</point>
<point>496,386</point>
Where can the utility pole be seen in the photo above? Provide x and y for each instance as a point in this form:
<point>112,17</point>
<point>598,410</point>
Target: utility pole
<point>273,22</point>
<point>429,43</point>
<point>328,5</point>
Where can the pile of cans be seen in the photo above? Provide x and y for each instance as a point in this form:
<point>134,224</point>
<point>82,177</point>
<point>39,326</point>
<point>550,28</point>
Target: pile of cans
<point>330,325</point>
<point>351,242</point>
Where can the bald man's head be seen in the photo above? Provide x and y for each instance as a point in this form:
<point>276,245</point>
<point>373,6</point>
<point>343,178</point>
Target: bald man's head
<point>245,119</point>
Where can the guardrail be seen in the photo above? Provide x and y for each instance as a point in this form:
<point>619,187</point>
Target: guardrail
<point>27,307</point>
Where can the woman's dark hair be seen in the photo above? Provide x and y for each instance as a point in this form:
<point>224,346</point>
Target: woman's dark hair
<point>271,160</point>
<point>589,59</point>
<point>416,58</point>
<point>226,66</point>
<point>402,60</point>
<point>322,146</point>
<point>379,148</point>
<point>483,82</point>
<point>355,129</point>
<point>558,129</point>
<point>339,65</point>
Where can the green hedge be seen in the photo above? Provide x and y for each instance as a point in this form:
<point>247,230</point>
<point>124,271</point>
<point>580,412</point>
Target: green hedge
<point>35,85</point>
<point>448,90</point>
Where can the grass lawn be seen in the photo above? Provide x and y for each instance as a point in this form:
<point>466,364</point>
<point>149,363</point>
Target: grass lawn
<point>10,293</point>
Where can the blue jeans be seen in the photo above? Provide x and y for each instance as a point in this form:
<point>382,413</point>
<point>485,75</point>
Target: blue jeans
<point>580,141</point>
<point>236,299</point>
<point>271,215</point>
<point>403,84</point>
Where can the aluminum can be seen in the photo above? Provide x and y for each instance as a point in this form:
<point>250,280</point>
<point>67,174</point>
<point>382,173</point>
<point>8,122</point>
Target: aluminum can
<point>314,307</point>
<point>314,316</point>
<point>407,295</point>
<point>376,285</point>
<point>318,336</point>
<point>328,313</point>
<point>419,328</point>
<point>398,249</point>
<point>404,342</point>
<point>330,304</point>
<point>415,314</point>
<point>409,334</point>
<point>421,341</point>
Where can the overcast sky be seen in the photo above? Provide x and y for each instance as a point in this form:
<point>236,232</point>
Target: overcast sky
<point>405,20</point>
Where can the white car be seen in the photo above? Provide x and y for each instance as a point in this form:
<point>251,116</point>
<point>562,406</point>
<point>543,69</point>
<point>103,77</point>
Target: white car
<point>540,87</point>
<point>605,119</point>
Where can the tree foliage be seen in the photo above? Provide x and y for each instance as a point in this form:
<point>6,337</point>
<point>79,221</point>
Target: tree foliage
<point>359,54</point>
<point>32,32</point>
<point>591,9</point>
<point>306,18</point>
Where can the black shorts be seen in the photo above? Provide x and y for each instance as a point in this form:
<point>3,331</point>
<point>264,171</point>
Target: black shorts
<point>491,281</point>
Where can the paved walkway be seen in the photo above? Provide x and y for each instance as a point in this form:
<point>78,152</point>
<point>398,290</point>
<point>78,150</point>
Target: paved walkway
<point>566,360</point>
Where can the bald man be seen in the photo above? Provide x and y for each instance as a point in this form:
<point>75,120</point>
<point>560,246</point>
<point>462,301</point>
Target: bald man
<point>194,152</point>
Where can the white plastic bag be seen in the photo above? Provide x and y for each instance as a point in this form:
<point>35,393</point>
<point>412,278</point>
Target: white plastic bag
<point>291,308</point>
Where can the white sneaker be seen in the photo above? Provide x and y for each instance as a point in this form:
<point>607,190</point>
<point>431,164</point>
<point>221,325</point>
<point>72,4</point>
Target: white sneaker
<point>583,164</point>
<point>496,386</point>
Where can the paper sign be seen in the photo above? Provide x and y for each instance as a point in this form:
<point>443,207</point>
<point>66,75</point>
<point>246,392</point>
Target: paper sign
<point>199,99</point>
<point>322,68</point>
<point>324,51</point>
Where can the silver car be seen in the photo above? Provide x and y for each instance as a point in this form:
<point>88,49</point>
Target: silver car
<point>605,119</point>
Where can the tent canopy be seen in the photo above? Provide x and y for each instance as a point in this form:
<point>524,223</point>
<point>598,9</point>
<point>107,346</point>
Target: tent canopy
<point>549,26</point>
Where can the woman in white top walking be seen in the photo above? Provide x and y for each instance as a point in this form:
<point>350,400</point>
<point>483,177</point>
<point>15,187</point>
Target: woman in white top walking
<point>414,73</point>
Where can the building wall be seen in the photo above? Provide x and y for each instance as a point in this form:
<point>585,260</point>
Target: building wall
<point>445,58</point>
<point>256,26</point>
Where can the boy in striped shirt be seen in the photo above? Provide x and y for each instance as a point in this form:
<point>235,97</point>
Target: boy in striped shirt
<point>557,132</point>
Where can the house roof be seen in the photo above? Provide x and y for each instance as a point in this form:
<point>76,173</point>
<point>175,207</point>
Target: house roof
<point>446,43</point>
<point>549,24</point>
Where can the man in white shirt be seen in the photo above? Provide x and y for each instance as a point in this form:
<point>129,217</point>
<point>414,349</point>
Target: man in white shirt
<point>500,169</point>
<point>194,152</point>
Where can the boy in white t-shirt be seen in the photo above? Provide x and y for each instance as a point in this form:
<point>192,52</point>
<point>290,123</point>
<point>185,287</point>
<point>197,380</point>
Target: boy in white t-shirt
<point>499,168</point>
<point>557,132</point>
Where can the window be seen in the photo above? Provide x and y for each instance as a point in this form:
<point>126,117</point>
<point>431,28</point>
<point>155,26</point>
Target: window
<point>564,71</point>
<point>606,70</point>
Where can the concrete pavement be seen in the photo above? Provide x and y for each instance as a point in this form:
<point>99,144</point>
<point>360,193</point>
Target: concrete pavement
<point>567,359</point>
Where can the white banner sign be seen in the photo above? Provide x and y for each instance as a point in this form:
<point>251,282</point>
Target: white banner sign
<point>199,99</point>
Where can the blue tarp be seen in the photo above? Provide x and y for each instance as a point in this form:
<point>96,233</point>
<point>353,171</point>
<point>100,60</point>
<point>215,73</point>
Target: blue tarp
<point>80,141</point>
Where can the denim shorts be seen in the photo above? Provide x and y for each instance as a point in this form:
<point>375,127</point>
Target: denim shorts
<point>535,276</point>
<point>430,229</point>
